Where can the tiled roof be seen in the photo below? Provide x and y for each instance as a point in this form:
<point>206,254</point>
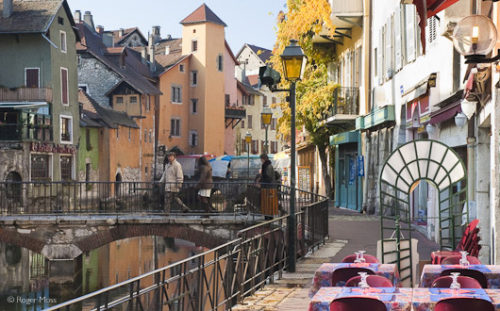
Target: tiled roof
<point>247,89</point>
<point>33,16</point>
<point>117,39</point>
<point>104,116</point>
<point>175,52</point>
<point>264,54</point>
<point>134,70</point>
<point>203,14</point>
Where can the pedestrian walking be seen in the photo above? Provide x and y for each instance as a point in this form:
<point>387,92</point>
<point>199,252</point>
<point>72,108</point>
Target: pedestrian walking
<point>268,192</point>
<point>173,178</point>
<point>205,183</point>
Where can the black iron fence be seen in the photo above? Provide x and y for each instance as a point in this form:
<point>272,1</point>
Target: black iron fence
<point>345,101</point>
<point>221,277</point>
<point>40,197</point>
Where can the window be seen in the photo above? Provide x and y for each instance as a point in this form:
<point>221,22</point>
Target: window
<point>181,67</point>
<point>66,129</point>
<point>32,77</point>
<point>194,78</point>
<point>432,25</point>
<point>227,100</point>
<point>273,100</point>
<point>64,87</point>
<point>194,46</point>
<point>133,99</point>
<point>150,136</point>
<point>62,36</point>
<point>84,87</point>
<point>194,105</point>
<point>176,94</point>
<point>255,146</point>
<point>219,62</point>
<point>251,100</point>
<point>242,124</point>
<point>66,167</point>
<point>60,20</point>
<point>148,103</point>
<point>119,100</point>
<point>193,138</point>
<point>129,134</point>
<point>274,147</point>
<point>249,120</point>
<point>87,172</point>
<point>88,144</point>
<point>264,101</point>
<point>175,127</point>
<point>40,166</point>
<point>273,124</point>
<point>117,132</point>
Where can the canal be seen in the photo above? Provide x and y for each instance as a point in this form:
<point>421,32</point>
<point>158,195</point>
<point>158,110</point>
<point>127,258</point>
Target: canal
<point>28,281</point>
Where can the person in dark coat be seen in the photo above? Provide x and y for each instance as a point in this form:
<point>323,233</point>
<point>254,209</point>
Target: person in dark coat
<point>205,183</point>
<point>267,172</point>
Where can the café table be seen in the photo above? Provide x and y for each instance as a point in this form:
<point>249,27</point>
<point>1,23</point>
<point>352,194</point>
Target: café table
<point>323,275</point>
<point>394,298</point>
<point>432,272</point>
<point>425,299</point>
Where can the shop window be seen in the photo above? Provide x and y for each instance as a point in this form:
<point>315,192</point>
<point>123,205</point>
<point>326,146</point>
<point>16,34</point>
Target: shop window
<point>66,167</point>
<point>40,167</point>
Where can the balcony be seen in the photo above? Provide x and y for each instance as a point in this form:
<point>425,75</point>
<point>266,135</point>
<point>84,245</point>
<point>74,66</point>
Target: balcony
<point>345,107</point>
<point>234,115</point>
<point>25,94</point>
<point>33,128</point>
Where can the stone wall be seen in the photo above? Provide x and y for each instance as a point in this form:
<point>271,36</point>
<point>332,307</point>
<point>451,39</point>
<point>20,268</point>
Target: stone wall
<point>97,77</point>
<point>14,158</point>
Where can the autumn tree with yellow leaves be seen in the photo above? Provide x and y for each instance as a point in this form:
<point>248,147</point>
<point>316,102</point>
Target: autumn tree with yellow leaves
<point>314,93</point>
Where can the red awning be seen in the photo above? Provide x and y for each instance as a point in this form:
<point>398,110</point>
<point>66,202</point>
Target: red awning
<point>446,113</point>
<point>429,8</point>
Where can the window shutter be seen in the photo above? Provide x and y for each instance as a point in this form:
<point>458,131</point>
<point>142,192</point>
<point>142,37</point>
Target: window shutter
<point>64,86</point>
<point>410,32</point>
<point>32,78</point>
<point>397,39</point>
<point>388,49</point>
<point>380,56</point>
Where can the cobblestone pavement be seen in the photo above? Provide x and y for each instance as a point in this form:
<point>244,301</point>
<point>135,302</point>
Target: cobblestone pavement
<point>349,232</point>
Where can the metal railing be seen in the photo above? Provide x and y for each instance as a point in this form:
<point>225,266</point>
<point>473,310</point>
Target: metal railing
<point>73,197</point>
<point>221,277</point>
<point>25,131</point>
<point>345,101</point>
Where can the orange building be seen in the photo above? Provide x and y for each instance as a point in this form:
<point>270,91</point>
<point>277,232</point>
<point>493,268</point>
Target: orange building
<point>191,79</point>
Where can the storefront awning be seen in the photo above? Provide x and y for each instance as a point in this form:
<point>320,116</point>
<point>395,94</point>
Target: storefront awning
<point>380,117</point>
<point>345,138</point>
<point>426,9</point>
<point>449,108</point>
<point>38,107</point>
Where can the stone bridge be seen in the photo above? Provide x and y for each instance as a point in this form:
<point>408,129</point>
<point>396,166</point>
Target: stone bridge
<point>66,237</point>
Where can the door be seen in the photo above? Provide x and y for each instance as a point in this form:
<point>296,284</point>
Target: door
<point>352,181</point>
<point>342,195</point>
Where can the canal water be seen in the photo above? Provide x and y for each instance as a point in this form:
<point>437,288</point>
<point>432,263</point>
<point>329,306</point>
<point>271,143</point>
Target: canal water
<point>28,281</point>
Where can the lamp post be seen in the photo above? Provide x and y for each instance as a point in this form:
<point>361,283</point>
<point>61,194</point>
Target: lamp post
<point>266,116</point>
<point>248,140</point>
<point>294,63</point>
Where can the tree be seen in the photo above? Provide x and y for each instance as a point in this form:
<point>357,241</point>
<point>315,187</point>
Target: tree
<point>304,20</point>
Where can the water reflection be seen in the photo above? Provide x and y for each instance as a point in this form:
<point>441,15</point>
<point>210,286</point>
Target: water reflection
<point>28,281</point>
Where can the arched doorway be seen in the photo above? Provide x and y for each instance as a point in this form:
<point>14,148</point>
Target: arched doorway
<point>118,181</point>
<point>13,186</point>
<point>415,161</point>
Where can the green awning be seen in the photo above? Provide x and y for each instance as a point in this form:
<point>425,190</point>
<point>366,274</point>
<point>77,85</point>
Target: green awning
<point>345,138</point>
<point>383,116</point>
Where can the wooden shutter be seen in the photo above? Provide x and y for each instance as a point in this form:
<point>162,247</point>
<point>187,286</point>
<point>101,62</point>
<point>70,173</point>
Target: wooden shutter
<point>32,78</point>
<point>64,86</point>
<point>380,56</point>
<point>397,39</point>
<point>410,32</point>
<point>388,49</point>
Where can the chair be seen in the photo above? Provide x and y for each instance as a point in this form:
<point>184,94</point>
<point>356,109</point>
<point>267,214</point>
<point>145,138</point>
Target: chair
<point>455,260</point>
<point>481,278</point>
<point>367,257</point>
<point>357,303</point>
<point>469,242</point>
<point>372,280</point>
<point>464,281</point>
<point>463,304</point>
<point>342,275</point>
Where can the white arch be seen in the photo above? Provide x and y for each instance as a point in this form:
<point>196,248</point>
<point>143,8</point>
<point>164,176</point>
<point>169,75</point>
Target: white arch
<point>423,159</point>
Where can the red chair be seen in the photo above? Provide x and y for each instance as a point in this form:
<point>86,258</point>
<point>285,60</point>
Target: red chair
<point>372,280</point>
<point>469,242</point>
<point>464,281</point>
<point>368,258</point>
<point>477,275</point>
<point>455,260</point>
<point>342,275</point>
<point>357,303</point>
<point>463,304</point>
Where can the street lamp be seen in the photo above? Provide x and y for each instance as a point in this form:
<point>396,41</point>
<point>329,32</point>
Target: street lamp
<point>475,37</point>
<point>266,116</point>
<point>248,140</point>
<point>294,62</point>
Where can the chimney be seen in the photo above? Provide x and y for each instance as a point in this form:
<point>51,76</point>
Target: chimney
<point>87,19</point>
<point>169,37</point>
<point>99,29</point>
<point>151,52</point>
<point>120,32</point>
<point>7,8</point>
<point>144,54</point>
<point>77,17</point>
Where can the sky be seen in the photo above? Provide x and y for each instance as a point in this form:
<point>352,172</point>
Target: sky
<point>248,21</point>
